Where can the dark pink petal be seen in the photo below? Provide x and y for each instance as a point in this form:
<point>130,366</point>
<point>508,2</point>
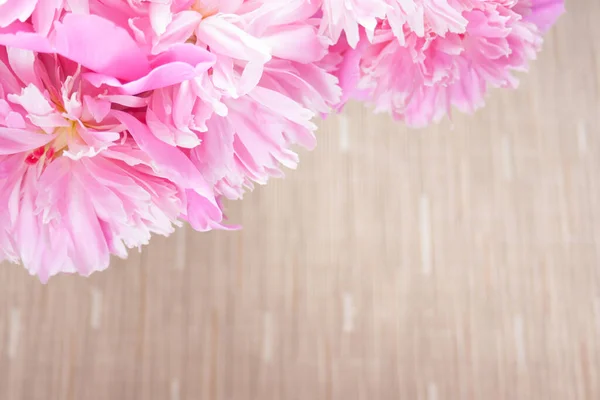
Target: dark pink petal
<point>159,77</point>
<point>101,46</point>
<point>21,35</point>
<point>188,53</point>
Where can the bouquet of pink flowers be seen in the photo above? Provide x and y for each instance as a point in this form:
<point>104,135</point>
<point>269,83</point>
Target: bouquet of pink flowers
<point>121,118</point>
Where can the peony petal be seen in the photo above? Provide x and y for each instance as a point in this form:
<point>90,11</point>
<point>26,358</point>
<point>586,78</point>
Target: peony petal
<point>13,10</point>
<point>227,39</point>
<point>544,13</point>
<point>160,16</point>
<point>168,159</point>
<point>21,35</point>
<point>298,42</point>
<point>180,29</point>
<point>22,63</point>
<point>13,141</point>
<point>45,14</point>
<point>33,101</point>
<point>90,250</point>
<point>101,46</point>
<point>202,214</point>
<point>188,53</point>
<point>159,77</point>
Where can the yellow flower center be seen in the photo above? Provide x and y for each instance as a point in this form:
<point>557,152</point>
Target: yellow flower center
<point>64,135</point>
<point>203,10</point>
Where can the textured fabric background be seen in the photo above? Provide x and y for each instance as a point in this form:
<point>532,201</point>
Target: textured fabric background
<point>458,262</point>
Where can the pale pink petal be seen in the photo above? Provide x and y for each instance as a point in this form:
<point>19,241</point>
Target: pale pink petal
<point>89,251</point>
<point>32,100</point>
<point>227,39</point>
<point>296,43</point>
<point>13,141</point>
<point>180,29</point>
<point>96,108</point>
<point>13,10</point>
<point>22,64</point>
<point>45,14</point>
<point>160,16</point>
<point>201,213</point>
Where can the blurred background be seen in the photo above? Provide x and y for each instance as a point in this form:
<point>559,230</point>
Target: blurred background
<point>457,262</point>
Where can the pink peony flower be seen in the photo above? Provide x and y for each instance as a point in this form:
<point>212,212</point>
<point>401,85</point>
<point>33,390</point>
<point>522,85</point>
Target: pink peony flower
<point>427,56</point>
<point>82,176</point>
<point>145,113</point>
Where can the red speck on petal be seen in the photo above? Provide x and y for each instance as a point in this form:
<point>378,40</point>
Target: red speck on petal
<point>32,159</point>
<point>50,153</point>
<point>39,152</point>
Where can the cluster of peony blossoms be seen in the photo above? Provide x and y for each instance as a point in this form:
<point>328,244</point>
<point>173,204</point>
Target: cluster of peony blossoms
<point>120,119</point>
